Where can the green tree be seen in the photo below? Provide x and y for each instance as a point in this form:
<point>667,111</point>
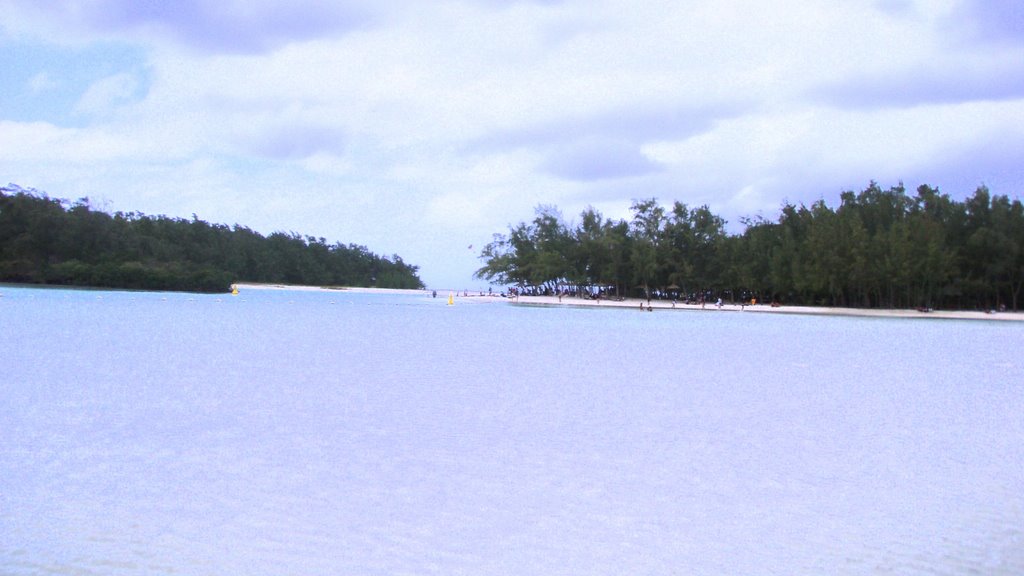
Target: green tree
<point>646,230</point>
<point>42,240</point>
<point>879,248</point>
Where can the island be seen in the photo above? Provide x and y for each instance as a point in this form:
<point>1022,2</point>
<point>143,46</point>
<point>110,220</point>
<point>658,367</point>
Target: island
<point>51,241</point>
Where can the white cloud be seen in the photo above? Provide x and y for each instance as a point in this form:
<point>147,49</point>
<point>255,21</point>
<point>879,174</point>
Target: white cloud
<point>108,94</point>
<point>30,142</point>
<point>40,83</point>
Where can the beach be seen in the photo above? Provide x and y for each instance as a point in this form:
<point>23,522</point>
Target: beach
<point>251,286</point>
<point>666,305</point>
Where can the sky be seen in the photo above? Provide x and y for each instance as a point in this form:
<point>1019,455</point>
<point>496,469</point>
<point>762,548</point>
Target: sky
<point>421,128</point>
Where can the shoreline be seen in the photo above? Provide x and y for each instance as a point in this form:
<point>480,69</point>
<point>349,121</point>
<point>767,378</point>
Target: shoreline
<point>355,289</point>
<point>628,303</point>
<point>663,305</point>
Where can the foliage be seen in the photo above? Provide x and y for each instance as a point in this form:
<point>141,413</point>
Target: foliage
<point>51,241</point>
<point>879,248</point>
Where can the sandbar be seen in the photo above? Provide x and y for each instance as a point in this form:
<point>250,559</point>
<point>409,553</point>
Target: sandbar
<point>253,286</point>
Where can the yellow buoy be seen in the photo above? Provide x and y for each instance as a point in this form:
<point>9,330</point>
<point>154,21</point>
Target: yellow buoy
<point>451,299</point>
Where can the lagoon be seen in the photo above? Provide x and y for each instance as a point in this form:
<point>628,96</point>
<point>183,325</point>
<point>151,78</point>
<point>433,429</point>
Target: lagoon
<point>313,432</point>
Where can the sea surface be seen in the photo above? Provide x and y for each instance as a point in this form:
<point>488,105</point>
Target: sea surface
<point>306,433</point>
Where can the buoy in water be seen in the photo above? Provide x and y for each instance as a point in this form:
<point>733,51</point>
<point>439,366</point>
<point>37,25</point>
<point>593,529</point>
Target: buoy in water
<point>451,299</point>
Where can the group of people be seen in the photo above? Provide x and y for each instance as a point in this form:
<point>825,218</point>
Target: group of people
<point>649,308</point>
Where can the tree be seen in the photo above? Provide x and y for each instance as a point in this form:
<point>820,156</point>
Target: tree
<point>553,249</point>
<point>646,229</point>
<point>593,255</point>
<point>879,248</point>
<point>44,240</point>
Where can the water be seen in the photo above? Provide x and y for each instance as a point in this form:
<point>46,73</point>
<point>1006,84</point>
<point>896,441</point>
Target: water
<point>282,432</point>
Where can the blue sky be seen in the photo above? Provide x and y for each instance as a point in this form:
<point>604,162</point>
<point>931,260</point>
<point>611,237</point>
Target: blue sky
<point>422,128</point>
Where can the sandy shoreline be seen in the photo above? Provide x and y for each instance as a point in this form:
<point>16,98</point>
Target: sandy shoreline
<point>245,286</point>
<point>460,296</point>
<point>660,305</point>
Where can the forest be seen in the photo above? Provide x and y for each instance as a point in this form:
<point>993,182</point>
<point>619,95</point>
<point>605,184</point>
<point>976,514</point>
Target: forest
<point>878,249</point>
<point>46,240</point>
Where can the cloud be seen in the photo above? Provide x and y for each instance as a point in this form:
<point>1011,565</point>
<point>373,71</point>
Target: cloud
<point>960,78</point>
<point>107,94</point>
<point>598,160</point>
<point>894,6</point>
<point>988,21</point>
<point>26,141</point>
<point>41,82</point>
<point>606,145</point>
<point>221,26</point>
<point>42,143</point>
<point>637,122</point>
<point>291,142</point>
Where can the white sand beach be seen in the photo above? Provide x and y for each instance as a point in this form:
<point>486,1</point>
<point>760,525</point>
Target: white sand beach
<point>657,305</point>
<point>663,305</point>
<point>250,286</point>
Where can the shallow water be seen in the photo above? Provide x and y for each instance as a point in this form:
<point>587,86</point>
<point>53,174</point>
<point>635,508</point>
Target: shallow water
<point>282,432</point>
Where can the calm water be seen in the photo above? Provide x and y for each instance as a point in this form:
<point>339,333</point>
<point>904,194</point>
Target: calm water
<point>332,433</point>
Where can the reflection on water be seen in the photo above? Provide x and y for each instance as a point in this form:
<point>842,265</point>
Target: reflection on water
<point>301,433</point>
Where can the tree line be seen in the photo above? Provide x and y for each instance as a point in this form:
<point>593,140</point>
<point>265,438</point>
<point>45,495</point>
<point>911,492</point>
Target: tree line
<point>46,240</point>
<point>878,249</point>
